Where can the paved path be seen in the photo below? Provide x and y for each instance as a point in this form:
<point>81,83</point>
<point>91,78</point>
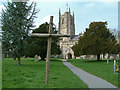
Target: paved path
<point>91,80</point>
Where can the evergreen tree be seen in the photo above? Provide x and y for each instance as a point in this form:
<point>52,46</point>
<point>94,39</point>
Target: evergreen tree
<point>38,45</point>
<point>96,40</point>
<point>17,20</point>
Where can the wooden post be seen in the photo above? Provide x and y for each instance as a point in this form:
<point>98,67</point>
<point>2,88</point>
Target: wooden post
<point>49,35</point>
<point>49,49</point>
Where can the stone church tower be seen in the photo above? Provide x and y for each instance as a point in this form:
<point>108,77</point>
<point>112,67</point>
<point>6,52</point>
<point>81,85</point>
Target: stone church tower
<point>66,23</point>
<point>67,26</point>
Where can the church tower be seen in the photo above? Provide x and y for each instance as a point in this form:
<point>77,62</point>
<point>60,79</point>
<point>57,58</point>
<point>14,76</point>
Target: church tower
<point>66,26</point>
<point>66,23</point>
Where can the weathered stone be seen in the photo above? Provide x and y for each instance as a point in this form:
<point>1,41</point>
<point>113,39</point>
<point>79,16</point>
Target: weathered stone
<point>67,26</point>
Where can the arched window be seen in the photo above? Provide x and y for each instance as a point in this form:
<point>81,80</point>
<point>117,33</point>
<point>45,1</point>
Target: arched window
<point>62,21</point>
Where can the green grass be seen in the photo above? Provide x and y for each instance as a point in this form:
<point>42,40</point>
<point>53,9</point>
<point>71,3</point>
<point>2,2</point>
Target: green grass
<point>100,69</point>
<point>31,74</point>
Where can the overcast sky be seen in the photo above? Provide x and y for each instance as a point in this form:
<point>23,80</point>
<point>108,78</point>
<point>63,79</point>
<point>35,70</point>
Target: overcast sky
<point>85,12</point>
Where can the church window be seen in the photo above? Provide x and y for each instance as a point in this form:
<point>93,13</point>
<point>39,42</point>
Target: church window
<point>62,21</point>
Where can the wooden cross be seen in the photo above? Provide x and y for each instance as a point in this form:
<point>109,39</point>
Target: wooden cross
<point>49,35</point>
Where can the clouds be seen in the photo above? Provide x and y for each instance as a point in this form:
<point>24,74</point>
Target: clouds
<point>1,7</point>
<point>64,0</point>
<point>90,5</point>
<point>47,19</point>
<point>96,11</point>
<point>85,12</point>
<point>43,20</point>
<point>75,0</point>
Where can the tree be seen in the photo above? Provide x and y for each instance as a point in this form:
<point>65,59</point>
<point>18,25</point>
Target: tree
<point>96,40</point>
<point>17,20</point>
<point>38,45</point>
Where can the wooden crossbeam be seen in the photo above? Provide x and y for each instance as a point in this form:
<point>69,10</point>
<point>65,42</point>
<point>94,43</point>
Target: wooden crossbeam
<point>49,35</point>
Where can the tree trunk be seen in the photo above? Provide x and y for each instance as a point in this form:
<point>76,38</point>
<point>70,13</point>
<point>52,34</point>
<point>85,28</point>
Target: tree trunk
<point>19,61</point>
<point>103,56</point>
<point>98,57</point>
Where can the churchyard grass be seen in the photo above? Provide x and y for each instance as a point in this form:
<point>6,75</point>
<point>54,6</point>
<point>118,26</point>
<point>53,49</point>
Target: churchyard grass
<point>100,69</point>
<point>31,74</point>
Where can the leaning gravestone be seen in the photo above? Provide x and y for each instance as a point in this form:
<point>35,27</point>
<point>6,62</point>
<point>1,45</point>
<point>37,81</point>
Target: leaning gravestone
<point>39,58</point>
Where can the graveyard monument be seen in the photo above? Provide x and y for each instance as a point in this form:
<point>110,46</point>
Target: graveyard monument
<point>36,58</point>
<point>50,36</point>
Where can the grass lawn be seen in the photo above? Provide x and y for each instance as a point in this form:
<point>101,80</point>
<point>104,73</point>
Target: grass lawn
<point>100,69</point>
<point>31,74</point>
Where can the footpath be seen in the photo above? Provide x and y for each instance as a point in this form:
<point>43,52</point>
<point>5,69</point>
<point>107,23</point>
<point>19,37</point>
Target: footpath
<point>91,80</point>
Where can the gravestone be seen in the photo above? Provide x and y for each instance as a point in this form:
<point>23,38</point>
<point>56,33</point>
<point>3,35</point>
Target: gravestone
<point>114,66</point>
<point>36,58</point>
<point>108,59</point>
<point>39,58</point>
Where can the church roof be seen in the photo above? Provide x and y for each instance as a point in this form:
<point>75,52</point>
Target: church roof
<point>74,37</point>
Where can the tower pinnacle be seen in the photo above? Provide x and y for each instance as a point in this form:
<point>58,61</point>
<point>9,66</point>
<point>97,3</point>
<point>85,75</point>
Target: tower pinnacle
<point>66,6</point>
<point>69,9</point>
<point>59,11</point>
